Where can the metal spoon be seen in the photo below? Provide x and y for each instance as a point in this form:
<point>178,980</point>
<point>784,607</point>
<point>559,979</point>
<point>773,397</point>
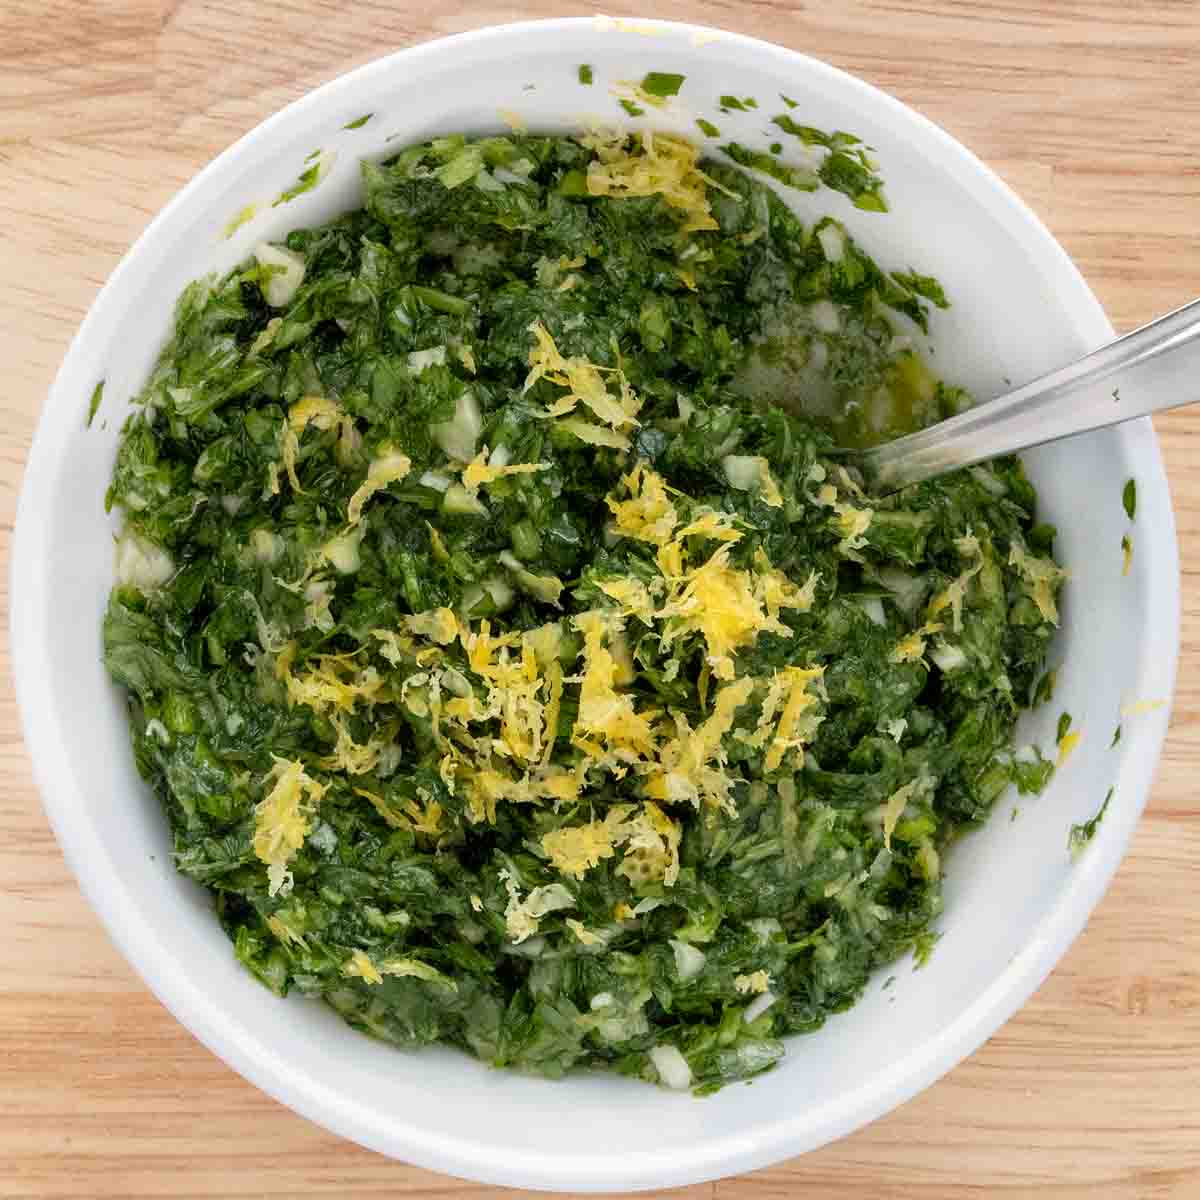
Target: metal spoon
<point>1154,368</point>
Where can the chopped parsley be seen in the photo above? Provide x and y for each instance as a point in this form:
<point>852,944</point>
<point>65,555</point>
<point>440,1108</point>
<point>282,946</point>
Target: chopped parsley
<point>812,136</point>
<point>801,178</point>
<point>662,84</point>
<point>848,168</point>
<point>585,74</point>
<point>1031,771</point>
<point>94,403</point>
<point>732,103</point>
<point>309,178</point>
<point>1043,691</point>
<point>707,128</point>
<point>1081,836</point>
<point>1129,498</point>
<point>788,101</point>
<point>1066,739</point>
<point>922,285</point>
<point>358,122</point>
<point>634,110</point>
<point>1116,737</point>
<point>510,669</point>
<point>923,946</point>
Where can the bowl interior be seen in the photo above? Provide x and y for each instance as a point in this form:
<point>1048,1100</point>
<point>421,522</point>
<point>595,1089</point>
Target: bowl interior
<point>1014,897</point>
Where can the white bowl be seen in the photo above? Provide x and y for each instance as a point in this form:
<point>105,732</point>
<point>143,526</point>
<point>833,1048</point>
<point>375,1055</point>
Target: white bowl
<point>1014,899</point>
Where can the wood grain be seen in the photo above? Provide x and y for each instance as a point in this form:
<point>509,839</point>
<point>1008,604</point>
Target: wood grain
<point>1090,108</point>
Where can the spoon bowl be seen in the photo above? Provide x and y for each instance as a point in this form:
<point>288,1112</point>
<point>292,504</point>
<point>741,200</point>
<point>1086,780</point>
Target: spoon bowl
<point>1150,370</point>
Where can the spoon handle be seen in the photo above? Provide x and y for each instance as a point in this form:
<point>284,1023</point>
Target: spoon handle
<point>1151,369</point>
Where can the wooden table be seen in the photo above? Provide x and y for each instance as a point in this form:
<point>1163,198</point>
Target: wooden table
<point>1090,108</point>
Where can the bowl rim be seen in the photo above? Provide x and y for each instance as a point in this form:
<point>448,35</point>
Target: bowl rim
<point>718,1155</point>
